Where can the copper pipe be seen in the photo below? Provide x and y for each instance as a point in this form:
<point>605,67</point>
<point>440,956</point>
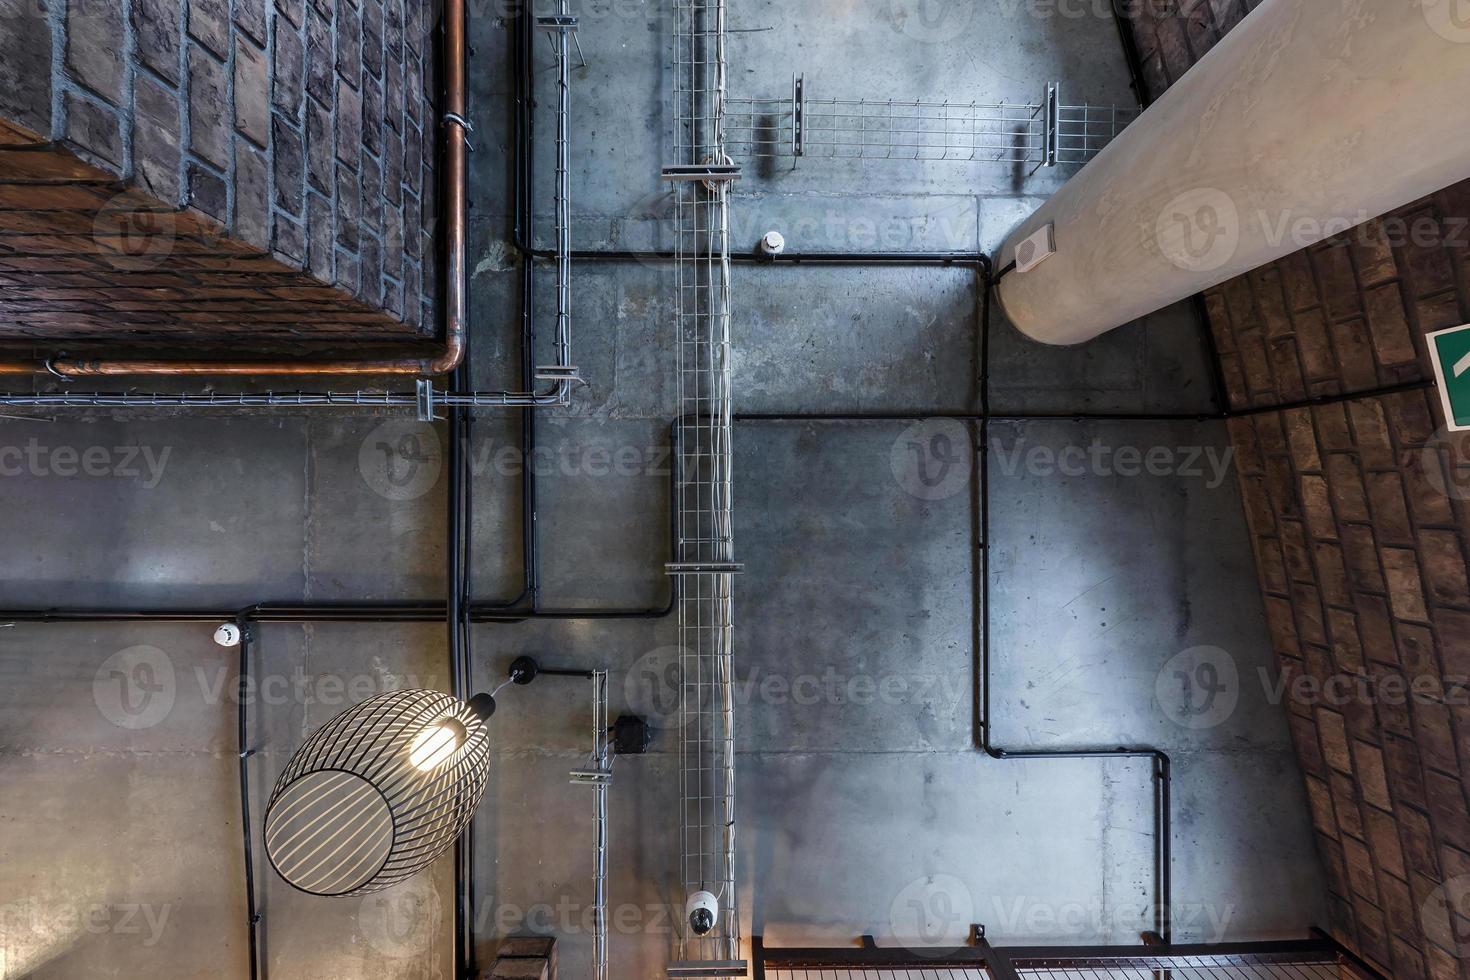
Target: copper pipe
<point>455,165</point>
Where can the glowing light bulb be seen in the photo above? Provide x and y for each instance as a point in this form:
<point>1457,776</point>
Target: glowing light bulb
<point>435,745</point>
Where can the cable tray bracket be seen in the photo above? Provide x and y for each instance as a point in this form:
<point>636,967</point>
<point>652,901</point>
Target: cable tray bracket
<point>558,23</point>
<point>709,968</point>
<point>704,568</point>
<point>708,172</point>
<point>426,398</point>
<point>591,777</point>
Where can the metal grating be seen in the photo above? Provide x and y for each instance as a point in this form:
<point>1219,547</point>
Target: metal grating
<point>1188,968</point>
<point>883,973</point>
<point>704,556</point>
<point>969,132</point>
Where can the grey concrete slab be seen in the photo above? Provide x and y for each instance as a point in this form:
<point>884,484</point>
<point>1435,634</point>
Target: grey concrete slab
<point>855,609</point>
<point>1119,547</point>
<point>375,508</point>
<point>121,840</point>
<point>855,340</point>
<point>164,513</point>
<point>1232,878</point>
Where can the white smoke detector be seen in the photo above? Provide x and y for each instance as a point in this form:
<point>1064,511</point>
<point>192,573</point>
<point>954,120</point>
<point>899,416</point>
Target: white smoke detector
<point>228,635</point>
<point>773,243</point>
<point>1036,248</point>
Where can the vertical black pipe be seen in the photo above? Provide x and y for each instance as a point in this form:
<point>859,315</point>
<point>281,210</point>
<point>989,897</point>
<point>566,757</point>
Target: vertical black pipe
<point>246,828</point>
<point>1130,53</point>
<point>1159,760</point>
<point>455,620</point>
<point>456,625</point>
<point>526,233</point>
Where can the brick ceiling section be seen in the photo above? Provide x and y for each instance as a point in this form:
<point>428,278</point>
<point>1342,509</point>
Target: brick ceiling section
<point>1360,517</point>
<point>184,183</point>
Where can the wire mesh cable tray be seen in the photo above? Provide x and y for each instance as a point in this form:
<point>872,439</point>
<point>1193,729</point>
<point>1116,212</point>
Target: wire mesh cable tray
<point>1042,134</point>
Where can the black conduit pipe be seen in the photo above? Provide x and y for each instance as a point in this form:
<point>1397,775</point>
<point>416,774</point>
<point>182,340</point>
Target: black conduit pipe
<point>455,620</point>
<point>1161,774</point>
<point>247,831</point>
<point>1162,778</point>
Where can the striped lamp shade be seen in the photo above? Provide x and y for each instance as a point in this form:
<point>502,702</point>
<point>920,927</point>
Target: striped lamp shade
<point>379,792</point>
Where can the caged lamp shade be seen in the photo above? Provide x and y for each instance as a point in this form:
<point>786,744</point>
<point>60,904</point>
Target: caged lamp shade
<point>379,792</point>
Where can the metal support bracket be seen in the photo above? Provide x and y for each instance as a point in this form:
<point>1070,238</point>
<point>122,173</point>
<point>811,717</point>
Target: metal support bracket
<point>465,128</point>
<point>704,568</point>
<point>425,399</point>
<point>591,777</point>
<point>558,372</point>
<point>798,116</point>
<point>707,172</point>
<point>1052,139</point>
<point>558,23</point>
<point>709,968</point>
<point>997,961</point>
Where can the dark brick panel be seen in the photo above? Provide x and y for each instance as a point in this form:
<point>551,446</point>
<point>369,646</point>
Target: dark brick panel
<point>278,98</point>
<point>98,265</point>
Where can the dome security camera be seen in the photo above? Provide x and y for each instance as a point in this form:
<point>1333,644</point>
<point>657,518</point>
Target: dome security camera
<point>702,911</point>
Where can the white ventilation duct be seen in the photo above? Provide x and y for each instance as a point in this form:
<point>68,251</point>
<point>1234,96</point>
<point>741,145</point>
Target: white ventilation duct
<point>1310,117</point>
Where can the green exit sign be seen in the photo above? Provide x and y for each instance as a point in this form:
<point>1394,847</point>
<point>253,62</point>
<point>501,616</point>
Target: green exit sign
<point>1451,351</point>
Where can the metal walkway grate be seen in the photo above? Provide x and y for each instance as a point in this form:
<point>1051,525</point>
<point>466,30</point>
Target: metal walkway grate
<point>883,973</point>
<point>1187,968</point>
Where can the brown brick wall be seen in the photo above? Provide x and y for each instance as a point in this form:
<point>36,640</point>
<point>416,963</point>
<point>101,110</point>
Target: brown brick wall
<point>182,170</point>
<point>1360,517</point>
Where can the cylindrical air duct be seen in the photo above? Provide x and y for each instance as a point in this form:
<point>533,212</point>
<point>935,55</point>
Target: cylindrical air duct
<point>1308,118</point>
